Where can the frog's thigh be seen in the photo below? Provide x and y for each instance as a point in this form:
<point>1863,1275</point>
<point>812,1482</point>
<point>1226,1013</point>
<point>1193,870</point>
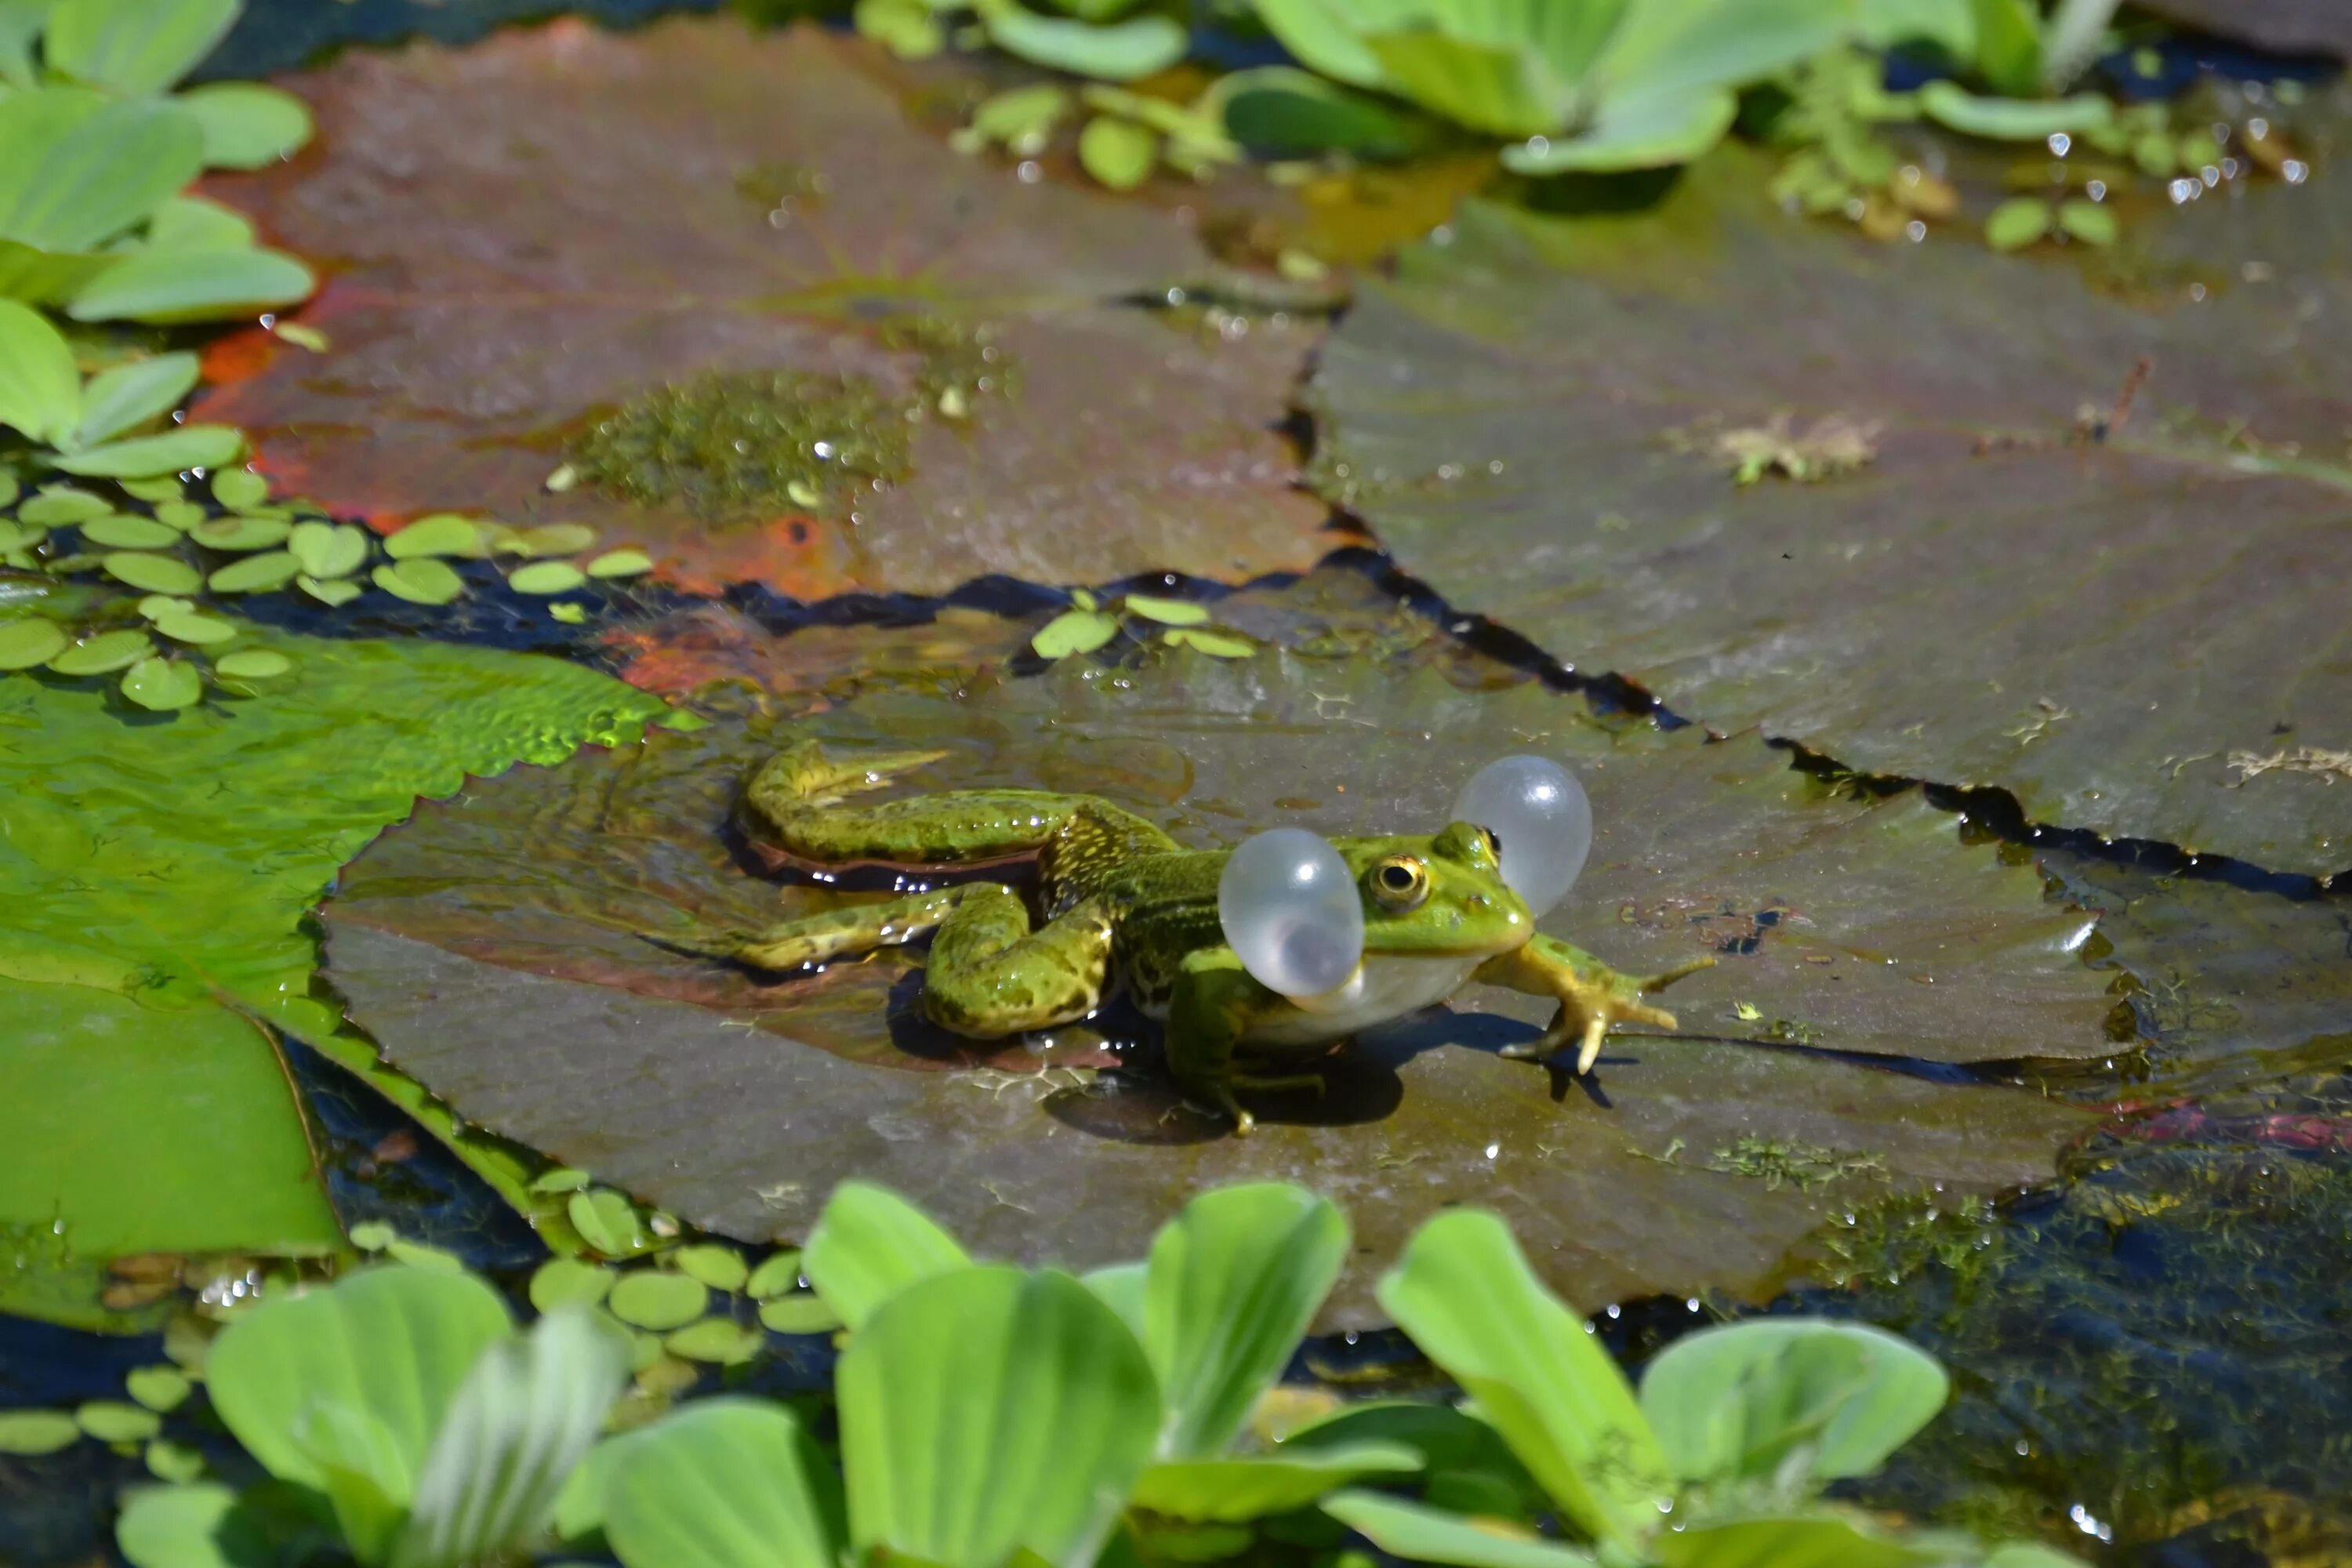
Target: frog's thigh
<point>990,975</point>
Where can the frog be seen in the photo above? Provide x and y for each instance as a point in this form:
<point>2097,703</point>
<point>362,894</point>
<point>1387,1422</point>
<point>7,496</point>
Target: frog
<point>1126,906</point>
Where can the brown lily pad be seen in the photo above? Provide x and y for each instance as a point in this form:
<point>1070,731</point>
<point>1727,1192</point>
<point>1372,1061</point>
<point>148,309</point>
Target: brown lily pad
<point>2287,26</point>
<point>493,948</point>
<point>2092,552</point>
<point>528,241</point>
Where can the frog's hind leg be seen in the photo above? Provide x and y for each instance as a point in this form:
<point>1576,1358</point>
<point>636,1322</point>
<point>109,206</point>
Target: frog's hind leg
<point>796,944</point>
<point>990,975</point>
<point>795,800</point>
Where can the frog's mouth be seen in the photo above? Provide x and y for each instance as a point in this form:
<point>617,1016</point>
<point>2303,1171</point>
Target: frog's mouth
<point>1384,987</point>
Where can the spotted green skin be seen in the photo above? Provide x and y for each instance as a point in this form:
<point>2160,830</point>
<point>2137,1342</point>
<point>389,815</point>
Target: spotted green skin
<point>1126,904</point>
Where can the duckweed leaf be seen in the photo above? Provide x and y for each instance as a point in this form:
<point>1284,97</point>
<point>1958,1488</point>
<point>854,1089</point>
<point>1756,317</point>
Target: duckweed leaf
<point>1234,1490</point>
<point>327,549</point>
<point>252,664</point>
<point>29,641</point>
<point>1989,487</point>
<point>57,505</point>
<point>37,1431</point>
<point>237,488</point>
<point>646,1299</point>
<point>1217,645</point>
<point>494,948</point>
<point>247,125</point>
<point>129,394</point>
<point>170,509</point>
<point>40,390</point>
<point>263,574</point>
<point>1117,153</point>
<point>422,580</point>
<point>716,1339</point>
<point>1075,631</point>
<point>1167,612</point>
<point>546,577</point>
<point>1119,437</point>
<point>2017,223</point>
<point>163,685</point>
<point>621,563</point>
<point>720,1267</point>
<point>934,1472</point>
<point>561,1282</point>
<point>1231,1286</point>
<point>103,653</point>
<point>803,1313</point>
<point>723,1483</point>
<point>237,534</point>
<point>2089,222</point>
<point>607,1223</point>
<point>549,539</point>
<point>126,532</point>
<point>112,1421</point>
<point>869,1245</point>
<point>778,1274</point>
<point>133,47</point>
<point>332,594</point>
<point>158,1388</point>
<point>153,573</point>
<point>198,1526</point>
<point>1420,1534</point>
<point>174,1462</point>
<point>188,446</point>
<point>194,626</point>
<point>445,533</point>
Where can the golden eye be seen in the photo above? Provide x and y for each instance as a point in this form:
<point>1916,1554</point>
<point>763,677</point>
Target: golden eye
<point>1494,845</point>
<point>1400,883</point>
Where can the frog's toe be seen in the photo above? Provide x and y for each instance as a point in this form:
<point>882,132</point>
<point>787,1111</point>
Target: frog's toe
<point>1659,981</point>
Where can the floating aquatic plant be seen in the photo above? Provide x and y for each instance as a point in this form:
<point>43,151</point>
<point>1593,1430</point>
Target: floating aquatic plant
<point>1101,39</point>
<point>1086,625</point>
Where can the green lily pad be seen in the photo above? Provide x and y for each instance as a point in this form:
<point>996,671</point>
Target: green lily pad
<point>332,595</point>
<point>801,1313</point>
<point>175,512</point>
<point>237,488</point>
<point>112,1421</point>
<point>158,1388</point>
<point>778,1275</point>
<point>717,1340</point>
<point>120,531</point>
<point>549,539</point>
<point>29,641</point>
<point>103,653</point>
<point>621,563</point>
<point>58,505</point>
<point>152,574</point>
<point>1842,923</point>
<point>2027,586</point>
<point>560,1282</point>
<point>37,1431</point>
<point>114,1039</point>
<point>846,268</point>
<point>421,580</point>
<point>445,533</point>
<point>720,1267</point>
<point>194,627</point>
<point>327,549</point>
<point>163,685</point>
<point>253,664</point>
<point>263,574</point>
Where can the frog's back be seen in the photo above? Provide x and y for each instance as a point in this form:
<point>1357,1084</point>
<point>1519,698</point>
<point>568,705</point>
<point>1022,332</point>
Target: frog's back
<point>1162,905</point>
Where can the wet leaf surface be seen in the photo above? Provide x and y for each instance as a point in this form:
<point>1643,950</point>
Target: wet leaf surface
<point>2018,590</point>
<point>531,233</point>
<point>164,869</point>
<point>491,946</point>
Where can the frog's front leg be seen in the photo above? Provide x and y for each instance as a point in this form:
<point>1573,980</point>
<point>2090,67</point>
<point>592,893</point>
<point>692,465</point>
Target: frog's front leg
<point>1211,1010</point>
<point>1591,995</point>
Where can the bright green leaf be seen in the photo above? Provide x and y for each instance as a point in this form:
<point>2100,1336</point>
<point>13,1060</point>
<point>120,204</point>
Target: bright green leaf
<point>263,574</point>
<point>719,1267</point>
<point>2012,118</point>
<point>1117,153</point>
<point>143,456</point>
<point>165,287</point>
<point>40,390</point>
<point>1120,52</point>
<point>194,627</point>
<point>1024,1429</point>
<point>174,1462</point>
<point>2017,223</point>
<point>2007,37</point>
<point>1075,631</point>
<point>327,549</point>
<point>1217,645</point>
<point>59,505</point>
<point>1420,1534</point>
<point>605,1219</point>
<point>1231,1286</point>
<point>130,395</point>
<point>724,1483</point>
<point>152,572</point>
<point>1820,1542</point>
<point>1466,1295</point>
<point>30,642</point>
<point>1493,88</point>
<point>391,1341</point>
<point>563,1281</point>
<point>649,1300</point>
<point>1167,612</point>
<point>201,1526</point>
<point>442,534</point>
<point>1290,113</point>
<point>1324,35</point>
<point>240,488</point>
<point>621,563</point>
<point>421,580</point>
<point>135,47</point>
<point>103,653</point>
<point>546,577</point>
<point>1233,1491</point>
<point>238,533</point>
<point>869,1245</point>
<point>1633,133</point>
<point>799,1313</point>
<point>158,1388</point>
<point>80,171</point>
<point>112,1421</point>
<point>193,223</point>
<point>715,1340</point>
<point>2088,222</point>
<point>247,125</point>
<point>332,595</point>
<point>779,1274</point>
<point>37,1431</point>
<point>1735,1402</point>
<point>126,532</point>
<point>907,28</point>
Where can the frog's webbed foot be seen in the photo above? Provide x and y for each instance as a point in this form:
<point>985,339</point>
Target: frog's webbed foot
<point>1593,999</point>
<point>796,944</point>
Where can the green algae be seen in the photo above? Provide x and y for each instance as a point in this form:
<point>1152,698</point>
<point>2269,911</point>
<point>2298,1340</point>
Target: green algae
<point>739,448</point>
<point>1792,1163</point>
<point>161,873</point>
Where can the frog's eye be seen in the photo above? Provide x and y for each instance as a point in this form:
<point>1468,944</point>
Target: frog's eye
<point>1400,883</point>
<point>1536,815</point>
<point>1291,913</point>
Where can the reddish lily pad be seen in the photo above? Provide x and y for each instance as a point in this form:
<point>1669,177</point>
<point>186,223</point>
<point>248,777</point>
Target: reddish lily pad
<point>2093,558</point>
<point>491,947</point>
<point>528,236</point>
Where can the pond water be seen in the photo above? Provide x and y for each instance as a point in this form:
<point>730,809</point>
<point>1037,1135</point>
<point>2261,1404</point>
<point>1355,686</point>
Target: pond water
<point>1986,731</point>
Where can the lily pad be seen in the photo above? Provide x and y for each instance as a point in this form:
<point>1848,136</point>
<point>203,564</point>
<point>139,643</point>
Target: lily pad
<point>492,947</point>
<point>2043,580</point>
<point>581,231</point>
<point>161,927</point>
<point>2283,26</point>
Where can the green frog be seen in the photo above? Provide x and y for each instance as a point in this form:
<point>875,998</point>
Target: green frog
<point>1125,904</point>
